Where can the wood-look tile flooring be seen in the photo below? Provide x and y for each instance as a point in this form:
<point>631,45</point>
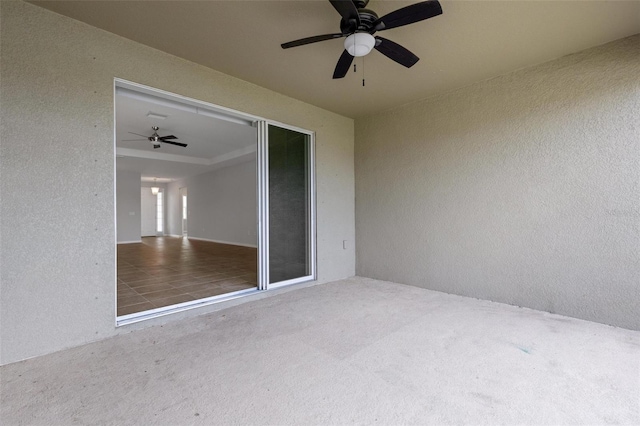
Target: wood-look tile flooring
<point>163,271</point>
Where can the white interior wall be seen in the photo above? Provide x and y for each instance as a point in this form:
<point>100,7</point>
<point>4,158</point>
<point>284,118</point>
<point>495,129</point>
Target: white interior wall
<point>222,205</point>
<point>523,189</point>
<point>174,209</point>
<point>128,206</point>
<point>57,90</point>
<point>148,213</point>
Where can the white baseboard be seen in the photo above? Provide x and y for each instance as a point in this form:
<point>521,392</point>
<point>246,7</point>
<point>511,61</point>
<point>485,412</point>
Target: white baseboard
<point>172,235</point>
<point>223,242</point>
<point>129,242</point>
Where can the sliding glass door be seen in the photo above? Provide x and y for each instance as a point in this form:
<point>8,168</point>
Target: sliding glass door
<point>287,205</point>
<point>205,247</point>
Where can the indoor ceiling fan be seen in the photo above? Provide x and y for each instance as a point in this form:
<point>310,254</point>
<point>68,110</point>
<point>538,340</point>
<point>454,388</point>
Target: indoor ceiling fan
<point>359,24</point>
<point>155,139</point>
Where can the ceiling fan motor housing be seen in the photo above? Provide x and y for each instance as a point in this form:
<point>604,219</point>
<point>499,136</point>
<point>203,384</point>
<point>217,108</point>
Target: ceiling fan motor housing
<point>155,141</point>
<point>367,18</point>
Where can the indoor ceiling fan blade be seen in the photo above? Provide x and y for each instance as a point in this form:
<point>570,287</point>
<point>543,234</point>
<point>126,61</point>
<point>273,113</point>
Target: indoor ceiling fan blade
<point>396,52</point>
<point>138,134</point>
<point>134,140</point>
<point>343,65</point>
<point>175,143</point>
<point>167,137</point>
<point>309,40</point>
<point>408,15</point>
<point>348,10</point>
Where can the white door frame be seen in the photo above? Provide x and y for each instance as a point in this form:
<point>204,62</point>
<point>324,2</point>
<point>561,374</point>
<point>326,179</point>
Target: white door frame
<point>263,207</point>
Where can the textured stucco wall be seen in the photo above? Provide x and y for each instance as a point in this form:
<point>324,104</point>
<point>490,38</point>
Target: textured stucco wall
<point>57,165</point>
<point>524,189</point>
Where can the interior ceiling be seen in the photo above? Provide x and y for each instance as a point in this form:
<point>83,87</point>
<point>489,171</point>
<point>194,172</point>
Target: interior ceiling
<point>471,41</point>
<point>212,143</point>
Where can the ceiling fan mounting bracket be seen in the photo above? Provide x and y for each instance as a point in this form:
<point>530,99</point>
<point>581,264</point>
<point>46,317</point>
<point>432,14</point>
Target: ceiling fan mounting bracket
<point>367,18</point>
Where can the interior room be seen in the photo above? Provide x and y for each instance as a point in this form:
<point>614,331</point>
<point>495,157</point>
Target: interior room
<point>438,216</point>
<point>208,181</point>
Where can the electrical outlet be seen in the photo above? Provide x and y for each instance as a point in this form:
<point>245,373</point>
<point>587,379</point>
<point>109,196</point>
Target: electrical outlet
<point>344,244</point>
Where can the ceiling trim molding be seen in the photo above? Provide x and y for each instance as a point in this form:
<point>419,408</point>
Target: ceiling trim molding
<point>233,155</point>
<point>151,155</point>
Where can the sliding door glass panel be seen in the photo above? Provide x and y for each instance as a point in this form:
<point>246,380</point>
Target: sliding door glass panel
<point>289,204</point>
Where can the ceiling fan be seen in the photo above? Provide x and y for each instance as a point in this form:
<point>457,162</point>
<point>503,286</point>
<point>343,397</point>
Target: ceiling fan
<point>155,139</point>
<point>359,24</point>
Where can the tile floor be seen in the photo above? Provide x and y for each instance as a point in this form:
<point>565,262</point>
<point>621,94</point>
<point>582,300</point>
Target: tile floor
<point>163,271</point>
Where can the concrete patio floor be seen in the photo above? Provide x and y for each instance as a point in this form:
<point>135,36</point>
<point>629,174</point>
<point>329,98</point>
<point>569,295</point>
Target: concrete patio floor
<point>353,351</point>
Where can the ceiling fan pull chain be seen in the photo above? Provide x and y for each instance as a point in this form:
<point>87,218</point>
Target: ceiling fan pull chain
<point>363,71</point>
<point>354,46</point>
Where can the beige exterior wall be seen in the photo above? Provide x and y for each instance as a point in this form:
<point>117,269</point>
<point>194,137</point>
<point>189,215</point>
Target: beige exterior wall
<point>523,189</point>
<point>57,159</point>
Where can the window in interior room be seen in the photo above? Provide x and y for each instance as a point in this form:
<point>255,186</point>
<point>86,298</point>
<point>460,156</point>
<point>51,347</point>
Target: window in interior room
<point>159,215</point>
<point>183,198</point>
<point>184,215</point>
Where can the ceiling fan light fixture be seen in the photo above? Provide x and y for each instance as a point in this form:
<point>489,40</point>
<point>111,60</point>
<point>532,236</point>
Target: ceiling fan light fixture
<point>155,189</point>
<point>359,44</point>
